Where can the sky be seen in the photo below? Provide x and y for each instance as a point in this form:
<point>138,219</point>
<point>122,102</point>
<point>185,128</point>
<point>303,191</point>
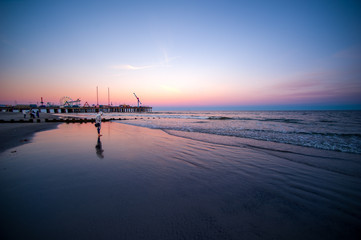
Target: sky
<point>183,54</point>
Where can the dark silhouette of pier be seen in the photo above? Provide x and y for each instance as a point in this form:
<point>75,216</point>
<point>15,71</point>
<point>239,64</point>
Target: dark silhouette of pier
<point>58,109</point>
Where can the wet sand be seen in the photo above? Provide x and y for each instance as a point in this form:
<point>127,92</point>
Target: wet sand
<point>18,116</point>
<point>15,134</point>
<point>138,183</point>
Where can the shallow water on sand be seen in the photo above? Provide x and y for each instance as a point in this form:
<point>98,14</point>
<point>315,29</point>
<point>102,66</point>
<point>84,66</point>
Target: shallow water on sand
<point>139,183</point>
<point>329,130</point>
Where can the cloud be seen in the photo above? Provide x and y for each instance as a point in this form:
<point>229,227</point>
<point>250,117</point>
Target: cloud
<point>166,60</point>
<point>304,82</point>
<point>163,63</point>
<point>297,85</point>
<point>130,67</point>
<point>331,85</point>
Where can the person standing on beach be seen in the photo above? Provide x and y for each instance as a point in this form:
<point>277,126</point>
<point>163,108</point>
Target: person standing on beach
<point>98,122</point>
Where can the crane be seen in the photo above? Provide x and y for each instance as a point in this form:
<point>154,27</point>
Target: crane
<point>139,102</point>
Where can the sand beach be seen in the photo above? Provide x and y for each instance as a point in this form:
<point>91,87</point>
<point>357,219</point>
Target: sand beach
<point>15,134</point>
<point>140,183</point>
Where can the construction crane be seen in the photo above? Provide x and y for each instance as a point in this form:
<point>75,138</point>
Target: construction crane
<point>139,102</point>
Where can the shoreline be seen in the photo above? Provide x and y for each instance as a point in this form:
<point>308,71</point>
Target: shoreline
<point>15,130</point>
<point>18,133</point>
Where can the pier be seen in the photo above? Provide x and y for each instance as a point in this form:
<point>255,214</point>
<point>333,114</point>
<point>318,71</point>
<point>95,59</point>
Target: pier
<point>58,109</point>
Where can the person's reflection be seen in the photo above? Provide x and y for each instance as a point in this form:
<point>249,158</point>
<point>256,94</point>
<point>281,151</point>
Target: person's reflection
<point>99,149</point>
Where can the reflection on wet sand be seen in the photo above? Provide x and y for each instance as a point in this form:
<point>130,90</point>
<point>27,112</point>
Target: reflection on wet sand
<point>99,149</point>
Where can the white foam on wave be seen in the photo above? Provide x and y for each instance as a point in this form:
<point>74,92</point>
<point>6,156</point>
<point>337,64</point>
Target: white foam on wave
<point>326,141</point>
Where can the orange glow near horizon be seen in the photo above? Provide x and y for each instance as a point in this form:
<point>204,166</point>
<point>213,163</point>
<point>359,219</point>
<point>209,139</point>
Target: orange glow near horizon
<point>162,95</point>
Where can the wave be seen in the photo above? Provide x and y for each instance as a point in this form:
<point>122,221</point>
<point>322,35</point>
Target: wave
<point>220,118</point>
<point>169,115</point>
<point>205,116</point>
<point>282,120</point>
<point>340,142</point>
<point>327,121</point>
<point>348,135</point>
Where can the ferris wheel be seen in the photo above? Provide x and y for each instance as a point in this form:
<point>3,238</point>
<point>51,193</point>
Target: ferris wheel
<point>68,102</point>
<point>65,101</point>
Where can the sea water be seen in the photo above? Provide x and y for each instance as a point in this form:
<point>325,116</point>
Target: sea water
<point>329,130</point>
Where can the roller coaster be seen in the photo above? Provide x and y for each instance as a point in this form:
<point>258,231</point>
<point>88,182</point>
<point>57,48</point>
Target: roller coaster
<point>68,102</point>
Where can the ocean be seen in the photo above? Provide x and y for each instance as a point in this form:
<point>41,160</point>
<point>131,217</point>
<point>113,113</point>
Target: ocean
<point>329,130</point>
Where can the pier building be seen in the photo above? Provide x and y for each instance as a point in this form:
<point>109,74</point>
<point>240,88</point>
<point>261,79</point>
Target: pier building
<point>58,109</point>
